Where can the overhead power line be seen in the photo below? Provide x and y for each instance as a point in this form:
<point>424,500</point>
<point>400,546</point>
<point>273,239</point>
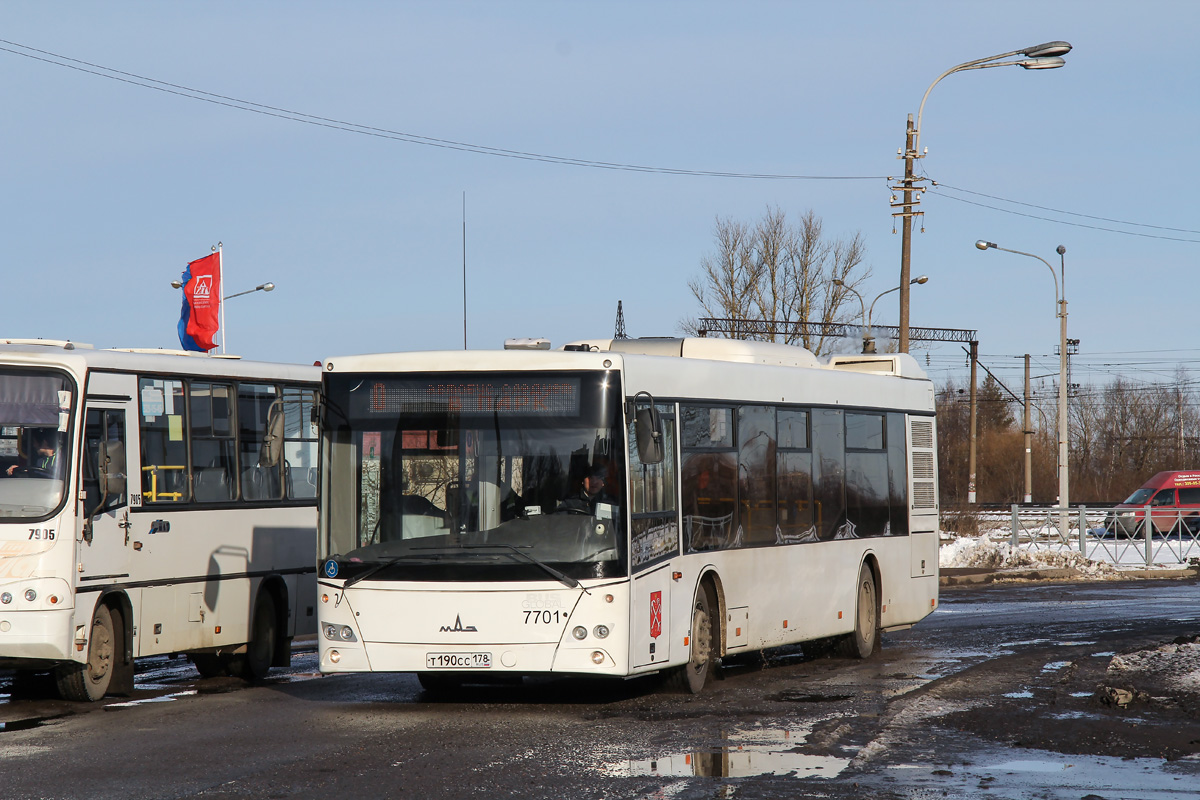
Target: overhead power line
<point>384,133</point>
<point>936,185</point>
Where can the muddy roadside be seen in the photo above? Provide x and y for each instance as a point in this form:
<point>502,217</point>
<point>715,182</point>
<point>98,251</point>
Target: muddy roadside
<point>1123,695</point>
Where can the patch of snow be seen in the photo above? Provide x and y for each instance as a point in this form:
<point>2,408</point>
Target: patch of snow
<point>1177,665</point>
<point>985,553</point>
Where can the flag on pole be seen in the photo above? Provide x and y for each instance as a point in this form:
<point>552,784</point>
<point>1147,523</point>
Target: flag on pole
<point>200,318</point>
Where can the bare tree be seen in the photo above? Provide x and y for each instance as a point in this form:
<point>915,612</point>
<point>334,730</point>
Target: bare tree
<point>780,273</point>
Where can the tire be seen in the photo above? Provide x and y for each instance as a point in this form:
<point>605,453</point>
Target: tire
<point>692,676</point>
<point>209,665</point>
<point>89,681</point>
<point>439,683</point>
<point>865,638</point>
<point>260,650</point>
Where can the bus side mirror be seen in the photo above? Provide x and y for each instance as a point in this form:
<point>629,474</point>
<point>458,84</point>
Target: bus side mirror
<point>647,428</point>
<point>272,448</point>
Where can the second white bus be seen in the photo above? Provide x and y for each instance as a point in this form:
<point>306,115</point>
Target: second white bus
<point>153,503</point>
<point>620,507</point>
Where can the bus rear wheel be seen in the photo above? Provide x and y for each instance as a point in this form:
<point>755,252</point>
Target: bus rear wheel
<point>209,665</point>
<point>89,681</point>
<point>692,676</point>
<point>260,650</point>
<point>865,638</point>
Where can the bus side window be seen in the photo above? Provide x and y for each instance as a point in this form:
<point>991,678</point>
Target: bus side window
<point>260,478</point>
<point>212,441</point>
<point>655,532</point>
<point>708,475</point>
<point>164,445</point>
<point>299,443</point>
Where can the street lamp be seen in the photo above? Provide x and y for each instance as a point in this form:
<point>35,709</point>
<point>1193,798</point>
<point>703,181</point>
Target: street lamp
<point>1042,56</point>
<point>262,287</point>
<point>1060,295</point>
<point>868,339</point>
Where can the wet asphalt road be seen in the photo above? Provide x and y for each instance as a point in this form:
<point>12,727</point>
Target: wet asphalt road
<point>1001,693</point>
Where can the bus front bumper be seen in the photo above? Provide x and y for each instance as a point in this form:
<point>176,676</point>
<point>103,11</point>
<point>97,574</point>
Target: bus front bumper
<point>36,636</point>
<point>522,659</point>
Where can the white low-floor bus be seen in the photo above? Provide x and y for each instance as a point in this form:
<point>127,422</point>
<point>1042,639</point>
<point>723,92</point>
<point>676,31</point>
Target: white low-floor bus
<point>619,507</point>
<point>153,502</point>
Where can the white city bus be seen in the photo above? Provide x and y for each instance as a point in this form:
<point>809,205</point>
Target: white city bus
<point>753,496</point>
<point>153,502</point>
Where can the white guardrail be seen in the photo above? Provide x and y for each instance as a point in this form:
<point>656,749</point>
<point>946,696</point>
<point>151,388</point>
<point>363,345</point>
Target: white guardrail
<point>1129,537</point>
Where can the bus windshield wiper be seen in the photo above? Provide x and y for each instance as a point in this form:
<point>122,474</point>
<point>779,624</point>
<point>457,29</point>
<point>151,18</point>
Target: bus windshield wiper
<point>362,576</point>
<point>559,576</point>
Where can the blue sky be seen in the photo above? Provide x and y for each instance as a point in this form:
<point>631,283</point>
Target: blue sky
<point>110,188</point>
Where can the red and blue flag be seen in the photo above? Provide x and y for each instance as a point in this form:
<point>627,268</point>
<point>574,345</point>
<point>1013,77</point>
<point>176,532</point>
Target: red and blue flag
<point>200,318</point>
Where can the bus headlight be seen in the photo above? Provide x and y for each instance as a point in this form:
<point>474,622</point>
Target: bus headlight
<point>339,633</point>
<point>579,632</point>
<point>597,657</point>
<point>6,598</point>
<point>601,631</point>
<point>30,595</point>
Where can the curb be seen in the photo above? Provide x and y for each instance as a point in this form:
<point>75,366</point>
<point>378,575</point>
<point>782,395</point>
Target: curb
<point>977,577</point>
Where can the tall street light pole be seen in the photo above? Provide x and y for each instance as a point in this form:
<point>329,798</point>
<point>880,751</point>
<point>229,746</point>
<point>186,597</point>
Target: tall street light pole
<point>867,313</point>
<point>1042,56</point>
<point>1060,295</point>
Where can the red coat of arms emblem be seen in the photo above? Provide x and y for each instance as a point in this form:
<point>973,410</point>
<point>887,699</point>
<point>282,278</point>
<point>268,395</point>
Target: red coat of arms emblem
<point>655,615</point>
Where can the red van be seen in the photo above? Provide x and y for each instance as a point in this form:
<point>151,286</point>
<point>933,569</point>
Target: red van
<point>1174,498</point>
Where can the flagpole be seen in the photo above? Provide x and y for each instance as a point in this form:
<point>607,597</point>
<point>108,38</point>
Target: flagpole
<point>221,290</point>
<point>464,220</point>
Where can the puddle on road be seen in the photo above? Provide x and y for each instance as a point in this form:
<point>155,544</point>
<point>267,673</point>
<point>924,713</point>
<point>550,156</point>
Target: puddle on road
<point>30,723</point>
<point>165,698</point>
<point>1053,776</point>
<point>745,753</point>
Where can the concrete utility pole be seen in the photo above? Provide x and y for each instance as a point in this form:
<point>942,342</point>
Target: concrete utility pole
<point>1041,56</point>
<point>1028,440</point>
<point>906,218</point>
<point>974,420</point>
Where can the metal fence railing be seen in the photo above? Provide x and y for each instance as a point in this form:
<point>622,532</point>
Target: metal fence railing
<point>1128,537</point>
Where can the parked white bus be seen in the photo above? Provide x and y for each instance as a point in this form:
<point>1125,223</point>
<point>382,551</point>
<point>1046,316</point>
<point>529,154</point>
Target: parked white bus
<point>153,502</point>
<point>620,507</point>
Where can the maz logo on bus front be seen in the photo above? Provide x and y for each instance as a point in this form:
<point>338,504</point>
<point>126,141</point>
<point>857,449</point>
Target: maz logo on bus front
<point>458,627</point>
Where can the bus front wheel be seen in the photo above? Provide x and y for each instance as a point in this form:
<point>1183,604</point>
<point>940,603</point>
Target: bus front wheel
<point>692,676</point>
<point>865,638</point>
<point>90,681</point>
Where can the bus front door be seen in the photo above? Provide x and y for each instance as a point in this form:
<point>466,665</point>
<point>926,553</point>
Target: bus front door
<point>103,532</point>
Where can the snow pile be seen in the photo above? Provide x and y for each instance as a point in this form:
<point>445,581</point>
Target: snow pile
<point>1175,666</point>
<point>984,553</point>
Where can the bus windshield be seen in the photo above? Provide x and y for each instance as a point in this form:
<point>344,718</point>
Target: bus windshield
<point>474,477</point>
<point>34,408</point>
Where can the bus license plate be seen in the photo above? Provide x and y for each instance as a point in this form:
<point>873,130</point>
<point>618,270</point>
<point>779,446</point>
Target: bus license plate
<point>458,660</point>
